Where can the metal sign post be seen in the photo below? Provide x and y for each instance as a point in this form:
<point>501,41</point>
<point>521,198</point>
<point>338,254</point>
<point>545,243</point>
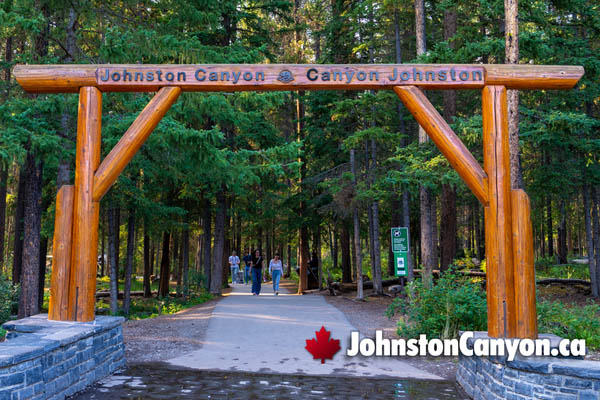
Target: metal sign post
<point>400,246</point>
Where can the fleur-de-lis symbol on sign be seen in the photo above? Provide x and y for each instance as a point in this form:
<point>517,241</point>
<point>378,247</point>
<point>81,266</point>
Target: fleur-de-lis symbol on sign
<point>285,76</point>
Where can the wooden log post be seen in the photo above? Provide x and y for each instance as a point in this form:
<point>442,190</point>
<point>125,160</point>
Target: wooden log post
<point>61,255</point>
<point>498,215</point>
<point>524,266</point>
<point>85,211</point>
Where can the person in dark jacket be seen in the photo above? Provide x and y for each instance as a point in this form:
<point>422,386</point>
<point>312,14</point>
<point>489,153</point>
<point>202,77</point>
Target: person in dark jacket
<point>257,264</point>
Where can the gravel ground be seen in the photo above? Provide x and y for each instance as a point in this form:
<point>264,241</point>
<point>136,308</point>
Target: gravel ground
<point>167,336</point>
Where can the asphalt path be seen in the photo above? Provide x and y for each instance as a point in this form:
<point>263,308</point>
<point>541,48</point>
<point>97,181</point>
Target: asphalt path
<point>268,334</point>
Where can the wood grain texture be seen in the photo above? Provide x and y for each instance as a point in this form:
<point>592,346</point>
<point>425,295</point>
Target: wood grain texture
<point>85,211</point>
<point>61,255</point>
<point>69,78</point>
<point>524,266</point>
<point>446,140</point>
<point>498,214</point>
<point>118,158</point>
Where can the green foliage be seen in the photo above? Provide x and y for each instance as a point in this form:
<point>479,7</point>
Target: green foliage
<point>453,304</point>
<point>9,297</point>
<point>576,322</point>
<point>568,271</point>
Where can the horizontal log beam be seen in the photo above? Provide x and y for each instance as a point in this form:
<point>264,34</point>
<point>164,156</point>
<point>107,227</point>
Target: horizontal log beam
<point>118,158</point>
<point>259,77</point>
<point>446,140</point>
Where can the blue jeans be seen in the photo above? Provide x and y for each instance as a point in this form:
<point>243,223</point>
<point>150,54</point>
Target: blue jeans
<point>234,273</point>
<point>276,277</point>
<point>256,280</point>
<point>247,274</point>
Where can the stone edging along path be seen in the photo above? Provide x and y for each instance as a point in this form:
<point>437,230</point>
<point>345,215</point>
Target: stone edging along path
<point>42,359</point>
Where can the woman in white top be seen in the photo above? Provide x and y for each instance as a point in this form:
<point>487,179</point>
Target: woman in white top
<point>276,270</point>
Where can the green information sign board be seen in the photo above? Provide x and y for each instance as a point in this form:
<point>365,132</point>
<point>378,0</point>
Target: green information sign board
<point>400,246</point>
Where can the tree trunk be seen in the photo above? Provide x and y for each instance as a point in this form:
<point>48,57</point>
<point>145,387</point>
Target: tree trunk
<point>549,226</point>
<point>113,257</point>
<point>32,224</point>
<point>596,218</point>
<point>448,228</point>
<point>43,254</point>
<point>289,261</point>
<point>587,209</point>
<point>175,260</point>
<point>317,248</point>
<point>129,262</point>
<point>345,244</point>
<point>396,221</point>
<point>427,199</point>
<point>206,229</point>
<point>216,279</point>
<point>163,287</point>
<point>180,267</point>
<point>18,237</point>
<point>356,223</point>
<point>562,234</point>
<point>511,34</point>
<point>102,229</point>
<point>3,189</point>
<point>304,258</point>
<point>147,262</point>
<point>448,221</point>
<point>225,269</point>
<point>334,248</point>
<point>377,275</point>
<point>199,251</point>
<point>406,221</point>
<point>185,237</point>
<point>479,233</point>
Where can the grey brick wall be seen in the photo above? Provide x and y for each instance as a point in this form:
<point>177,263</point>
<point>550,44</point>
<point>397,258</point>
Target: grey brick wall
<point>44,359</point>
<point>546,378</point>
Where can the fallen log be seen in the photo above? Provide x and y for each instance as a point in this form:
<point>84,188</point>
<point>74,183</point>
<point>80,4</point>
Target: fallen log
<point>134,293</point>
<point>547,281</point>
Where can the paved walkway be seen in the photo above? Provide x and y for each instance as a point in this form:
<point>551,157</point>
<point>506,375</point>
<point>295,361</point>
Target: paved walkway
<point>268,333</point>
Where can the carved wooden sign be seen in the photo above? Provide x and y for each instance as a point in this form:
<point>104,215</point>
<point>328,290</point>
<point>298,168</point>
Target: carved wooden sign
<point>243,77</point>
<point>240,77</point>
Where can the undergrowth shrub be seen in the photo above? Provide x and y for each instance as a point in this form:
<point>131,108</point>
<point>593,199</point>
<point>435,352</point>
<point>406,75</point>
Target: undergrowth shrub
<point>9,299</point>
<point>577,322</point>
<point>454,303</point>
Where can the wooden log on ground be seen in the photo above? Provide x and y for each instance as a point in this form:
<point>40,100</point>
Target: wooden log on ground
<point>286,77</point>
<point>118,158</point>
<point>449,144</point>
<point>61,255</point>
<point>526,316</point>
<point>498,215</point>
<point>549,281</point>
<point>85,211</point>
<point>104,294</point>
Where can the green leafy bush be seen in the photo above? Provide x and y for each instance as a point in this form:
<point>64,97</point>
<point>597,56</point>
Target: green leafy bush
<point>9,299</point>
<point>578,322</point>
<point>454,303</point>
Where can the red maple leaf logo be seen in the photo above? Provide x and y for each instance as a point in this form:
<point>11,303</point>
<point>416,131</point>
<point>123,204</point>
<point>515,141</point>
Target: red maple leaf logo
<point>323,347</point>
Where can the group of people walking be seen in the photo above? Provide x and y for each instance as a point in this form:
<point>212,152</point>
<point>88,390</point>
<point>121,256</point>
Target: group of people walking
<point>253,266</point>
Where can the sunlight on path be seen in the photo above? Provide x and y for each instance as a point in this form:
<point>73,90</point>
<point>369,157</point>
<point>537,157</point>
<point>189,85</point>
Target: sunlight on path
<point>268,333</point>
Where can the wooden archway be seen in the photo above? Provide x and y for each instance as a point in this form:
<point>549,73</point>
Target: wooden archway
<point>508,231</point>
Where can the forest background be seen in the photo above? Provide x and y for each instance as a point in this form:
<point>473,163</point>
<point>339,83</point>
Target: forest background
<point>293,172</point>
